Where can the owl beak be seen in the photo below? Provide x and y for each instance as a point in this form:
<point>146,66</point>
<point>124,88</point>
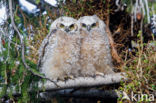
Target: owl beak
<point>88,27</point>
<point>67,29</point>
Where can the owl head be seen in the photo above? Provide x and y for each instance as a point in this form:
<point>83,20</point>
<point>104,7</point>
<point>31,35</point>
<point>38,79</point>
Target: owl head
<point>67,24</point>
<point>90,23</point>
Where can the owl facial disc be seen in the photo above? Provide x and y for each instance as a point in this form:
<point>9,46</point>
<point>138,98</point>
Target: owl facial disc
<point>67,24</point>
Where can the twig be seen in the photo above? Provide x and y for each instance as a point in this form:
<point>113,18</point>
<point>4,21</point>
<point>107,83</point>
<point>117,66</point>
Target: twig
<point>22,45</point>
<point>147,9</point>
<point>135,9</point>
<point>0,44</point>
<point>118,5</point>
<point>7,37</point>
<point>142,7</point>
<point>112,43</point>
<point>153,12</point>
<point>126,55</point>
<point>132,23</point>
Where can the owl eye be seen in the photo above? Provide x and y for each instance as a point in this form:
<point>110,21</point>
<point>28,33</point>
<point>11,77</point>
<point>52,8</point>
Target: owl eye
<point>93,25</point>
<point>61,26</point>
<point>71,27</point>
<point>83,25</point>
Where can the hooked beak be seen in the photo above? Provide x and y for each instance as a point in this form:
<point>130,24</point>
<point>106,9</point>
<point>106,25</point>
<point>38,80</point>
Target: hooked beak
<point>67,29</point>
<point>88,27</point>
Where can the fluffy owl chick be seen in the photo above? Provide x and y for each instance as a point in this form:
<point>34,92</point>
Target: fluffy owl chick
<point>59,52</point>
<point>95,48</point>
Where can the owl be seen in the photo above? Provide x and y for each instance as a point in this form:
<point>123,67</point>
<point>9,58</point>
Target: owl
<point>95,54</point>
<point>60,51</point>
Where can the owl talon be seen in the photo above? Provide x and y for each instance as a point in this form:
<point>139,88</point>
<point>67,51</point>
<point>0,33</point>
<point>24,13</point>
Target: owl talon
<point>55,80</point>
<point>99,74</point>
<point>71,77</point>
<point>65,80</point>
<point>61,79</point>
<point>94,76</point>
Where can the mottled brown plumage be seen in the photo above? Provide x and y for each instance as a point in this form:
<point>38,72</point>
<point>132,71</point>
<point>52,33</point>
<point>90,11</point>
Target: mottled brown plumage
<point>95,48</point>
<point>59,51</point>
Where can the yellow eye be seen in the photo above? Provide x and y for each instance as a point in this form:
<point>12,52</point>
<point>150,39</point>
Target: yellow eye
<point>61,26</point>
<point>83,25</point>
<point>71,27</point>
<point>93,25</point>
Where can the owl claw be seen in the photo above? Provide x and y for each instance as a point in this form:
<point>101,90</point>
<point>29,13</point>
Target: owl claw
<point>94,76</point>
<point>55,80</point>
<point>61,79</point>
<point>99,74</point>
<point>68,77</point>
<point>71,77</point>
<point>65,80</point>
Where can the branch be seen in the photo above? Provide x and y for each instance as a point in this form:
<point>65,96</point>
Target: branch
<point>118,5</point>
<point>112,44</point>
<point>68,88</point>
<point>22,44</point>
<point>80,82</point>
<point>85,82</point>
<point>147,9</point>
<point>132,20</point>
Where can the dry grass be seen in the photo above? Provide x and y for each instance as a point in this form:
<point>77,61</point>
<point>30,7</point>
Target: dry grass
<point>141,72</point>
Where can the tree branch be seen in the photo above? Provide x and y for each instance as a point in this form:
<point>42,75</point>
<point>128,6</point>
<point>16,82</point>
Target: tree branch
<point>85,82</point>
<point>112,44</point>
<point>22,44</point>
<point>80,83</point>
<point>66,88</point>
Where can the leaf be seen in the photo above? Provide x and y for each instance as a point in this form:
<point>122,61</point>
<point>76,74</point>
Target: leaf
<point>37,2</point>
<point>146,61</point>
<point>3,91</point>
<point>17,19</point>
<point>74,1</point>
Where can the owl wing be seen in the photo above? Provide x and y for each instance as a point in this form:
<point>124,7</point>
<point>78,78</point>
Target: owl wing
<point>44,46</point>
